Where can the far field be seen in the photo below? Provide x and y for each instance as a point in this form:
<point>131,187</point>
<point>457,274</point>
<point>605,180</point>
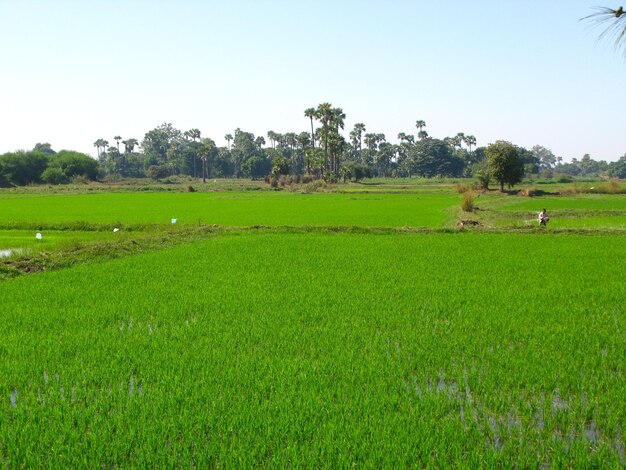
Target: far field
<point>334,335</point>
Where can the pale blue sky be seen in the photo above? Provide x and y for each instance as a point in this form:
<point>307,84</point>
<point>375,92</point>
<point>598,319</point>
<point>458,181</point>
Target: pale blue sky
<point>525,71</point>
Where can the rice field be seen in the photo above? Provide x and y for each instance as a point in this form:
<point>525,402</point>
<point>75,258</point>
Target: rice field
<point>322,350</point>
<point>299,345</point>
<point>231,209</point>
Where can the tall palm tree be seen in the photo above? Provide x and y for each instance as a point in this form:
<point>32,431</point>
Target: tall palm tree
<point>310,113</point>
<point>129,145</point>
<point>117,139</point>
<point>616,20</point>
<point>323,114</point>
<point>420,125</point>
<point>228,138</point>
<point>337,119</point>
<point>470,140</point>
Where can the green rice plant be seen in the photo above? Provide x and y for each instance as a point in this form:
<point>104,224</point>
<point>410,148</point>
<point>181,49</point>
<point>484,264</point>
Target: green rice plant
<point>370,350</point>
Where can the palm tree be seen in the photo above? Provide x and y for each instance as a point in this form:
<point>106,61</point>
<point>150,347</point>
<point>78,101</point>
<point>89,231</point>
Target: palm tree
<point>470,140</point>
<point>323,114</point>
<point>273,136</point>
<point>117,139</point>
<point>616,20</point>
<point>205,152</point>
<point>420,125</point>
<point>310,113</point>
<point>228,138</point>
<point>98,144</point>
<point>358,131</point>
<point>129,145</point>
<point>337,119</point>
<point>422,135</point>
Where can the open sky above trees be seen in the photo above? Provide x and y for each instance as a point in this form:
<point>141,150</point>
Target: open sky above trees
<point>527,72</point>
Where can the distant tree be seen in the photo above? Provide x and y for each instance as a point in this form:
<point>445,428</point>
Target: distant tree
<point>420,126</point>
<point>504,164</point>
<point>205,151</point>
<point>255,167</point>
<point>162,146</point>
<point>546,158</point>
<point>22,168</point>
<point>129,145</point>
<point>280,166</point>
<point>357,138</point>
<point>618,169</point>
<point>323,114</point>
<point>311,113</point>
<point>117,139</point>
<point>44,148</point>
<point>228,138</point>
<point>75,163</point>
<point>434,157</point>
<point>54,175</point>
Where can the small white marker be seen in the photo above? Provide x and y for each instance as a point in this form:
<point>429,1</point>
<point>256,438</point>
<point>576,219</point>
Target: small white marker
<point>173,221</point>
<point>38,236</point>
<point>116,230</point>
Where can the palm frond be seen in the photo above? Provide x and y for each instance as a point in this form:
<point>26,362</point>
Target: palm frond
<point>616,29</point>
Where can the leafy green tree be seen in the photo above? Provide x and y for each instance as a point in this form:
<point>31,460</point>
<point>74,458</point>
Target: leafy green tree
<point>22,168</point>
<point>546,158</point>
<point>280,166</point>
<point>618,169</point>
<point>255,167</point>
<point>162,145</point>
<point>44,148</point>
<point>75,163</point>
<point>434,157</point>
<point>504,163</point>
<point>54,175</point>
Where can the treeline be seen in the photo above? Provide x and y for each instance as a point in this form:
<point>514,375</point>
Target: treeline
<point>44,165</point>
<point>324,152</point>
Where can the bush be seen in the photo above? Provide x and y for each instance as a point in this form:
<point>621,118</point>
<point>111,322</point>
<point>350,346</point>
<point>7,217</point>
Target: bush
<point>53,175</point>
<point>157,171</point>
<point>468,202</point>
<point>80,179</point>
<point>461,188</point>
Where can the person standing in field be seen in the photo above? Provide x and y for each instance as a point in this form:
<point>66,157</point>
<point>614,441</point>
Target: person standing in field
<point>543,218</point>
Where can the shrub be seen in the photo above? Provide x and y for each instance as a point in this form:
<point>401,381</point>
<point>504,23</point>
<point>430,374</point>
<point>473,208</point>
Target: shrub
<point>468,202</point>
<point>461,188</point>
<point>157,171</point>
<point>54,175</point>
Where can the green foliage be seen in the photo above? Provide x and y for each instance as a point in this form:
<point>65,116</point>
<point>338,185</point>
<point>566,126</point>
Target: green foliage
<point>54,175</point>
<point>255,167</point>
<point>157,171</point>
<point>75,163</point>
<point>433,157</point>
<point>280,166</point>
<point>504,164</point>
<point>22,168</point>
<point>264,360</point>
<point>618,169</point>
